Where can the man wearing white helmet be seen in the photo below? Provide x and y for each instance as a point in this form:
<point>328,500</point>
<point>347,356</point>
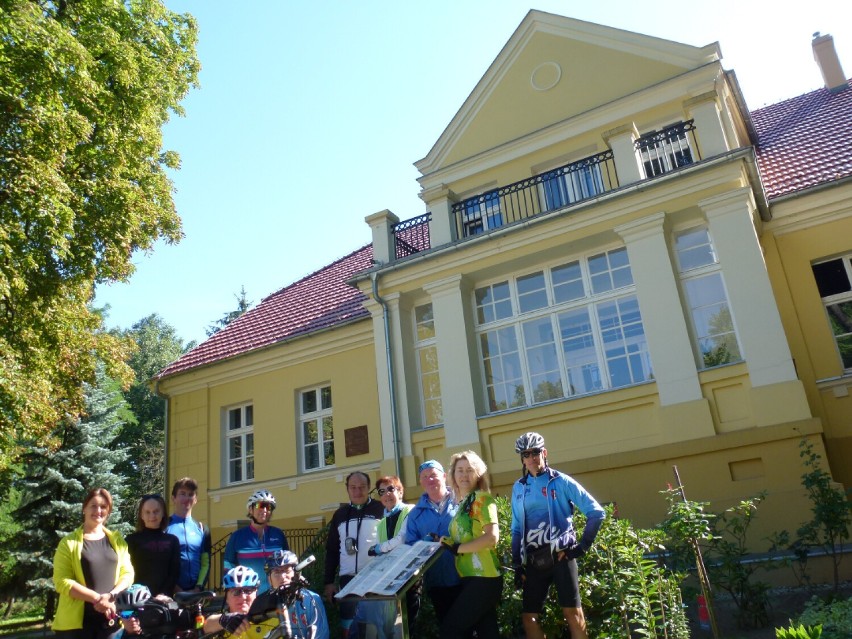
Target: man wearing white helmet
<point>252,545</point>
<point>544,543</point>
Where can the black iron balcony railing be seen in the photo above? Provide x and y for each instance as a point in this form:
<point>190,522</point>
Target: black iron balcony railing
<point>542,193</point>
<point>668,149</point>
<point>660,151</point>
<point>411,236</point>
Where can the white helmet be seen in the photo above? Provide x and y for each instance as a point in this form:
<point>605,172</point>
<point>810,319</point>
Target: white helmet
<point>281,558</point>
<point>132,597</point>
<point>260,496</point>
<point>240,577</point>
<point>529,441</point>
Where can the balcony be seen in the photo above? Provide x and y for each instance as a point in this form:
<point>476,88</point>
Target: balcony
<point>659,152</point>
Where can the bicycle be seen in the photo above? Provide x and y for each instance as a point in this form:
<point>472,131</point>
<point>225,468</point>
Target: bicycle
<point>179,618</point>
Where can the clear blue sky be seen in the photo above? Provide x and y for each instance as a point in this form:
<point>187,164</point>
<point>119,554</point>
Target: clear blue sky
<point>310,115</point>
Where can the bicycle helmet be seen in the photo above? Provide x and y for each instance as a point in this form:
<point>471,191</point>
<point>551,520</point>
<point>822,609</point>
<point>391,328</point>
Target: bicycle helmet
<point>134,596</point>
<point>528,441</point>
<point>281,558</point>
<point>259,496</point>
<point>240,577</point>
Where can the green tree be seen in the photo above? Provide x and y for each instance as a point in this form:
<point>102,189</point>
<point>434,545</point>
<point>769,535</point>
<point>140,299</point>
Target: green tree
<point>85,89</point>
<point>157,345</point>
<point>832,512</point>
<point>55,482</point>
<point>11,581</point>
<point>243,304</point>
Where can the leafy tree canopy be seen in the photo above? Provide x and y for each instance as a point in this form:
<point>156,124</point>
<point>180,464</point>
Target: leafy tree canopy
<point>85,89</point>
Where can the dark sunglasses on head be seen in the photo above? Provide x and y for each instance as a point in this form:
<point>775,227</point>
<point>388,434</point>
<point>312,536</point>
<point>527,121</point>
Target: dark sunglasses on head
<point>389,489</point>
<point>238,592</point>
<point>151,496</point>
<point>530,453</point>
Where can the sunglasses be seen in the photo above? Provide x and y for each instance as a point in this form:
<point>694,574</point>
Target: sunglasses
<point>264,504</point>
<point>389,489</point>
<point>242,592</point>
<point>530,453</point>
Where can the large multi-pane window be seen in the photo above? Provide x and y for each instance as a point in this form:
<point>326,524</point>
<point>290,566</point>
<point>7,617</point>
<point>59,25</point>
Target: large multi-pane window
<point>239,443</point>
<point>316,426</point>
<point>567,330</point>
<point>427,366</point>
<point>834,281</point>
<point>704,289</point>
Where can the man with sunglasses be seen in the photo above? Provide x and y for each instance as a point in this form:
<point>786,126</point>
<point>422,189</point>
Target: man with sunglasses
<point>252,545</point>
<point>544,544</point>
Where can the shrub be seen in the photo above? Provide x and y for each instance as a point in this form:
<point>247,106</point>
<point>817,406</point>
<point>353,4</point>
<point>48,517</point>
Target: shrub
<point>799,632</point>
<point>835,617</point>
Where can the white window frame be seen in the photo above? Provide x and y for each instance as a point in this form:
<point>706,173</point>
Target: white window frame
<point>323,416</point>
<point>704,271</point>
<point>513,349</point>
<point>423,344</point>
<point>243,434</point>
<point>838,299</point>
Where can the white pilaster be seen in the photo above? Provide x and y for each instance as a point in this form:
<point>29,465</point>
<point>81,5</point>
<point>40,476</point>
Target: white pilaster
<point>454,361</point>
<point>439,201</point>
<point>758,322</point>
<point>381,224</point>
<point>704,111</point>
<point>662,314</point>
<point>622,142</point>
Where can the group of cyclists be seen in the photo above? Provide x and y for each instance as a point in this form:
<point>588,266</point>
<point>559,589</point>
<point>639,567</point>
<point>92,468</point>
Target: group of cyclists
<point>153,582</point>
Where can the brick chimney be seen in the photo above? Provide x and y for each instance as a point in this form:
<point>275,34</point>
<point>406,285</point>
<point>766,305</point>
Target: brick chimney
<point>829,64</point>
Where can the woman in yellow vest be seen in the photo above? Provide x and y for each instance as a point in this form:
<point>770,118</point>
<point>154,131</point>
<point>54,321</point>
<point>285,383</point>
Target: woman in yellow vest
<point>391,533</point>
<point>91,565</point>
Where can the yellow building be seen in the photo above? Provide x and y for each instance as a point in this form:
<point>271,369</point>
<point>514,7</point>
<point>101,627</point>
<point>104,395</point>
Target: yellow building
<point>617,254</point>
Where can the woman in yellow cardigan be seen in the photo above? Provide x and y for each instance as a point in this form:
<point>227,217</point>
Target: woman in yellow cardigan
<point>90,567</point>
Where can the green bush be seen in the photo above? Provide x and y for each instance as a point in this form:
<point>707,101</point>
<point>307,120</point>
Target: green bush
<point>625,592</point>
<point>799,632</point>
<point>835,617</point>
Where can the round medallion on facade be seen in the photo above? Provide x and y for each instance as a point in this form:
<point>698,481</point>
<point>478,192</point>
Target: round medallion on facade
<point>546,76</point>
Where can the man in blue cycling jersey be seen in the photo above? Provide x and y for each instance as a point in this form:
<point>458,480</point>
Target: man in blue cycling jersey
<point>545,547</point>
<point>254,544</point>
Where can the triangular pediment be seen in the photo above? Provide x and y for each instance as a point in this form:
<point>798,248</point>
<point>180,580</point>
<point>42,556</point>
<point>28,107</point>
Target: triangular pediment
<point>554,68</point>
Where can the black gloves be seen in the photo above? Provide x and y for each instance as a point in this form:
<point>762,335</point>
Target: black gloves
<point>574,551</point>
<point>519,577</point>
<point>231,621</point>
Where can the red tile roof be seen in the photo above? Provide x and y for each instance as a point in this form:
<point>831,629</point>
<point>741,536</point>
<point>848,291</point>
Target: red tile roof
<point>805,141</point>
<point>320,300</point>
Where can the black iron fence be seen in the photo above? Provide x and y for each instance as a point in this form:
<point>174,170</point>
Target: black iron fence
<point>542,193</point>
<point>660,151</point>
<point>411,236</point>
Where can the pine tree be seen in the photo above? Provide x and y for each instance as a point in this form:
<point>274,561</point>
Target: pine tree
<point>56,480</point>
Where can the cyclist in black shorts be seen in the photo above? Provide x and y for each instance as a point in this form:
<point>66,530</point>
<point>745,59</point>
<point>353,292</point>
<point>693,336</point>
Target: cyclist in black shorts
<point>544,543</point>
